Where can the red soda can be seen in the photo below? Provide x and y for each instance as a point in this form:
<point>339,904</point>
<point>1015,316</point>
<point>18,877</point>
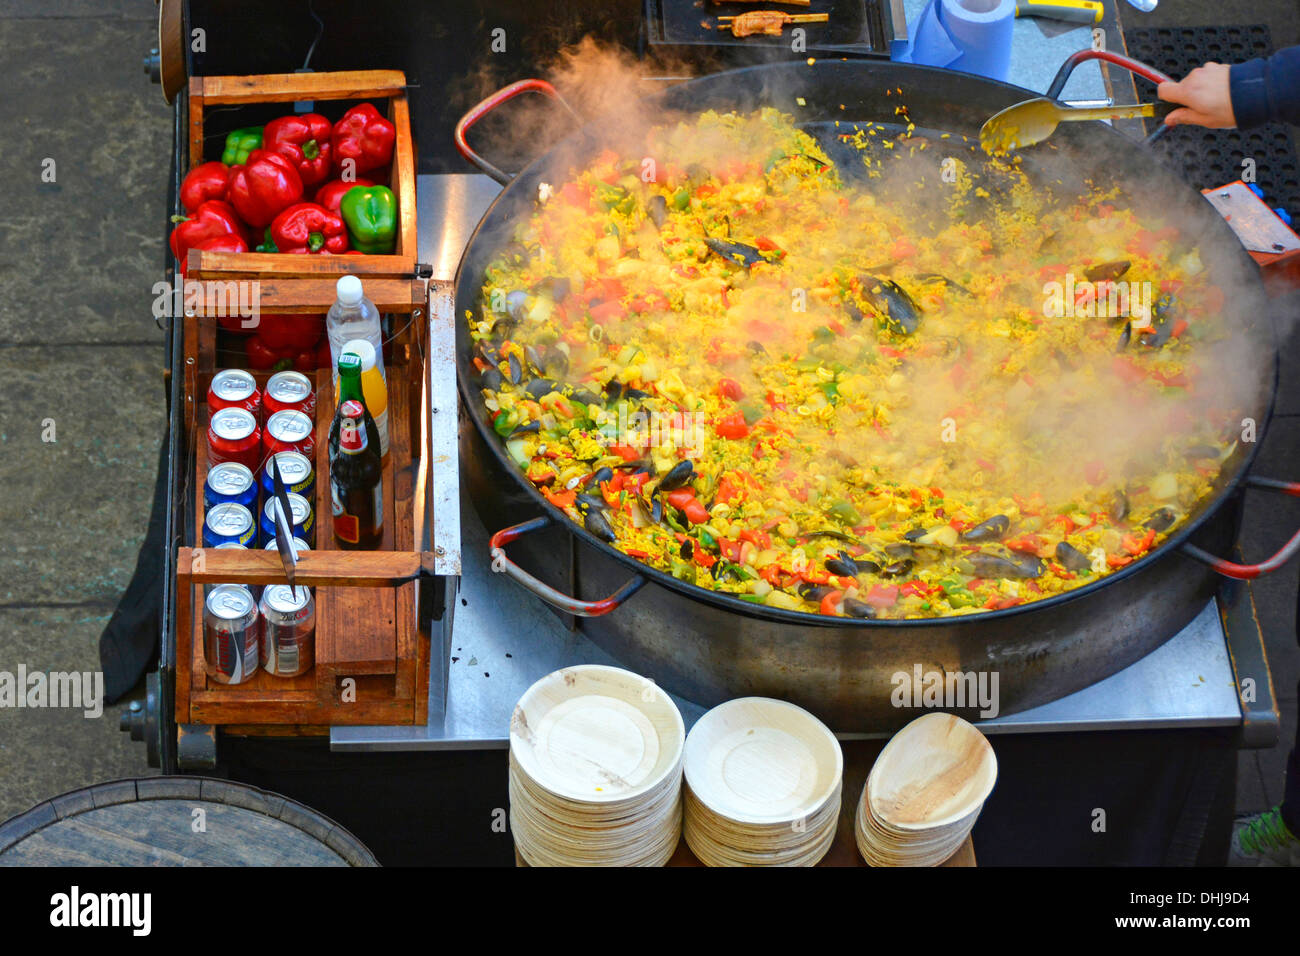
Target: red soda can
<point>234,388</point>
<point>290,430</point>
<point>290,391</point>
<point>233,435</point>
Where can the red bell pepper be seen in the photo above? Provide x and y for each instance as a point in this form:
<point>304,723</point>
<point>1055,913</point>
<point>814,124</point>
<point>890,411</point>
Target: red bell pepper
<point>263,188</point>
<point>881,596</point>
<point>363,137</point>
<point>830,604</point>
<point>331,194</point>
<point>308,229</point>
<point>230,243</point>
<point>304,140</point>
<point>290,331</point>
<point>203,182</point>
<point>732,426</point>
<point>264,358</point>
<point>211,219</point>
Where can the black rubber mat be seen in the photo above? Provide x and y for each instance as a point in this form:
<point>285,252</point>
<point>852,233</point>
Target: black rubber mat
<point>1209,158</point>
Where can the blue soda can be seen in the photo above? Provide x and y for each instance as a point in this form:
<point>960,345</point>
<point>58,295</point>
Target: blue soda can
<point>230,481</point>
<point>296,472</point>
<point>228,522</point>
<point>302,519</point>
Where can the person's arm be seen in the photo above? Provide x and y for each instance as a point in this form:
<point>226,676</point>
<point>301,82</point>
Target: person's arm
<point>1244,95</point>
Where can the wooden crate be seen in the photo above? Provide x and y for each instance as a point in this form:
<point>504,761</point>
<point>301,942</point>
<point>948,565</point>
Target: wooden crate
<point>376,86</point>
<point>366,627</point>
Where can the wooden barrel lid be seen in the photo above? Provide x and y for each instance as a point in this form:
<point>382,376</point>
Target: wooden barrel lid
<point>154,821</point>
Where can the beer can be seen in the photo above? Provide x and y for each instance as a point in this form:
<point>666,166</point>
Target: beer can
<point>233,435</point>
<point>230,481</point>
<point>231,634</point>
<point>290,391</point>
<point>228,522</point>
<point>234,388</point>
<point>289,430</point>
<point>288,630</point>
<point>296,472</point>
<point>302,519</point>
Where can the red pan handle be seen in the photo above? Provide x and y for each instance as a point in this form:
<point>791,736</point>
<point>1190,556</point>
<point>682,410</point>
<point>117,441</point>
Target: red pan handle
<point>544,591</point>
<point>1118,59</point>
<point>1246,572</point>
<point>477,112</point>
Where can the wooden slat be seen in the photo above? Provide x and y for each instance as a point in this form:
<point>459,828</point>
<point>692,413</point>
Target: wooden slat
<point>403,179</point>
<point>196,120</point>
<point>217,707</point>
<point>372,570</point>
<point>291,295</point>
<point>403,512</point>
<point>208,265</point>
<point>288,87</point>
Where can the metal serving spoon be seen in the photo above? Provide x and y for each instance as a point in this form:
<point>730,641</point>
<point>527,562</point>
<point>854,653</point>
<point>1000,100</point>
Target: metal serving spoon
<point>1034,120</point>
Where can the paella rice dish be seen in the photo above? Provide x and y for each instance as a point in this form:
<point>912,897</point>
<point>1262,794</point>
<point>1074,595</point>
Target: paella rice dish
<point>843,375</point>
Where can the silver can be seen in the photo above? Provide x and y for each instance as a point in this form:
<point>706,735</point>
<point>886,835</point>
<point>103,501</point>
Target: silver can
<point>231,634</point>
<point>288,630</point>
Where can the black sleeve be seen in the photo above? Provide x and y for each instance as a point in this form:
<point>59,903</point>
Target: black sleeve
<point>1267,90</point>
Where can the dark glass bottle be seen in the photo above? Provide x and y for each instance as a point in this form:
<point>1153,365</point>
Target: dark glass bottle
<point>356,472</point>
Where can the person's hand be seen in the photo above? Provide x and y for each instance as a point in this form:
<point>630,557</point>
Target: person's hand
<point>1204,95</point>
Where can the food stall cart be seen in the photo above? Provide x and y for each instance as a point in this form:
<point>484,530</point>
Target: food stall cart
<point>1146,729</point>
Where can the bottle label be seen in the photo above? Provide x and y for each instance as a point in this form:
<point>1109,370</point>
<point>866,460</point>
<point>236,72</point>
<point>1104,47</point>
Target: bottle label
<point>352,436</point>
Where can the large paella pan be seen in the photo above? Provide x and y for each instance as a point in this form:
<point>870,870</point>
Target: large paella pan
<point>820,373</point>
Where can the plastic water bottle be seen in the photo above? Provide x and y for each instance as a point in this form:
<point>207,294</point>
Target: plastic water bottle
<point>353,316</point>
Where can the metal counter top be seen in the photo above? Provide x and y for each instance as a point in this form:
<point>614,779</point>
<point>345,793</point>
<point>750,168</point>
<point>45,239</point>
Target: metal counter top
<point>503,639</point>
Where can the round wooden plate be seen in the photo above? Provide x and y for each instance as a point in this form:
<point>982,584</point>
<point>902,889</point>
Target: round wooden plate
<point>761,761</point>
<point>596,735</point>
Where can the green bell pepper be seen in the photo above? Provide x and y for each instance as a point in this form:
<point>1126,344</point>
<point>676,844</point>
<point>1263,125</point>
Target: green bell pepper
<point>370,213</point>
<point>239,143</point>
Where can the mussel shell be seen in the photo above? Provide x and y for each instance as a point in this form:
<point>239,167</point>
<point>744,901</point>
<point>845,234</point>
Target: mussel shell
<point>516,370</point>
<point>858,609</point>
<point>599,475</point>
<point>900,550</point>
<point>897,569</point>
<point>526,428</point>
<point>1161,519</point>
<point>996,566</point>
<point>516,303</point>
<point>590,502</point>
<point>1119,507</point>
<point>990,529</point>
<point>540,386</point>
<point>678,475</point>
<point>657,210</point>
<point>844,568</point>
<point>595,522</point>
<point>1072,557</point>
<point>813,592</point>
<point>491,379</point>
